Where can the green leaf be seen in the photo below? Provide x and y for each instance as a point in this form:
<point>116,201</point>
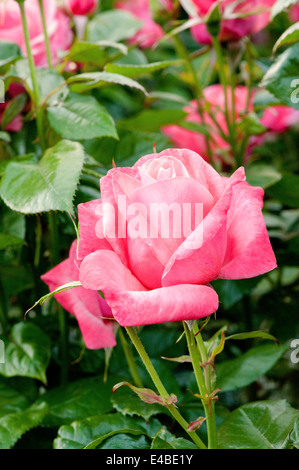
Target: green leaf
<point>96,443</point>
<point>87,81</point>
<point>125,441</point>
<point>252,334</point>
<point>286,190</point>
<point>27,352</point>
<point>151,120</point>
<point>248,367</point>
<point>80,433</point>
<point>281,5</point>
<point>134,71</point>
<point>113,25</point>
<point>260,425</point>
<point>5,136</point>
<point>14,425</point>
<point>9,51</point>
<point>12,400</point>
<point>94,53</point>
<point>52,86</point>
<point>9,240</point>
<point>31,187</point>
<point>81,118</point>
<point>159,443</point>
<point>262,174</point>
<point>282,77</point>
<point>77,400</point>
<point>294,435</point>
<point>290,36</point>
<point>131,405</point>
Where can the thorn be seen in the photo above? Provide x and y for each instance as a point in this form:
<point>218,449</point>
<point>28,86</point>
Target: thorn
<point>113,162</point>
<point>154,147</point>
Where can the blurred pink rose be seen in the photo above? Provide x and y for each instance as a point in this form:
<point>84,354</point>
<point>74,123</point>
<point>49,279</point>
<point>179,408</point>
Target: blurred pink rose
<point>87,306</point>
<point>16,124</point>
<point>258,16</point>
<point>58,27</point>
<point>150,32</point>
<point>294,13</point>
<point>279,118</point>
<point>156,277</point>
<point>193,140</point>
<point>81,7</point>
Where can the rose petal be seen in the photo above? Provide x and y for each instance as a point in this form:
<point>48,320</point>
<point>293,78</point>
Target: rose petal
<point>249,252</point>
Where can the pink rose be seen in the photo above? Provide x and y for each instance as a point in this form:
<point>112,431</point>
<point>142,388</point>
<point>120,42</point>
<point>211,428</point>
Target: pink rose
<point>58,27</point>
<point>89,308</point>
<point>279,118</point>
<point>233,29</point>
<point>150,32</point>
<point>81,7</point>
<point>153,272</point>
<point>214,98</point>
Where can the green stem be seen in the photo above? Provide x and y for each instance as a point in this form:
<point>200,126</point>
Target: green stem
<point>204,388</point>
<point>197,89</point>
<point>130,358</point>
<point>159,385</point>
<point>46,37</point>
<point>38,241</point>
<point>36,91</point>
<point>54,243</point>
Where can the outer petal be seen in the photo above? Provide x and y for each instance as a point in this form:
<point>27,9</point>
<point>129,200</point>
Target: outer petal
<point>175,303</point>
<point>132,304</point>
<point>249,252</point>
<point>86,305</point>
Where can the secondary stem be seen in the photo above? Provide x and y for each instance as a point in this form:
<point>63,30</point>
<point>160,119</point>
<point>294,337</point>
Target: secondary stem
<point>159,385</point>
<point>54,243</point>
<point>223,81</point>
<point>130,359</point>
<point>36,92</point>
<point>47,42</point>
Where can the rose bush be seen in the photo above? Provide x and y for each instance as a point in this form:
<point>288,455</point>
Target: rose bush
<point>153,279</point>
<point>89,308</point>
<point>256,16</point>
<point>58,24</point>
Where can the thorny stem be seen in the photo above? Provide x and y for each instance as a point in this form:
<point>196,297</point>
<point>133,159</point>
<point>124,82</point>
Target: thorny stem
<point>160,387</point>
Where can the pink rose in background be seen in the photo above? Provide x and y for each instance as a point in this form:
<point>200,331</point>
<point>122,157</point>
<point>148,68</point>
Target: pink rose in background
<point>81,7</point>
<point>233,29</point>
<point>150,32</point>
<point>87,306</point>
<point>155,278</point>
<point>214,96</point>
<point>294,13</point>
<point>58,27</point>
<point>276,119</point>
<point>279,118</point>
